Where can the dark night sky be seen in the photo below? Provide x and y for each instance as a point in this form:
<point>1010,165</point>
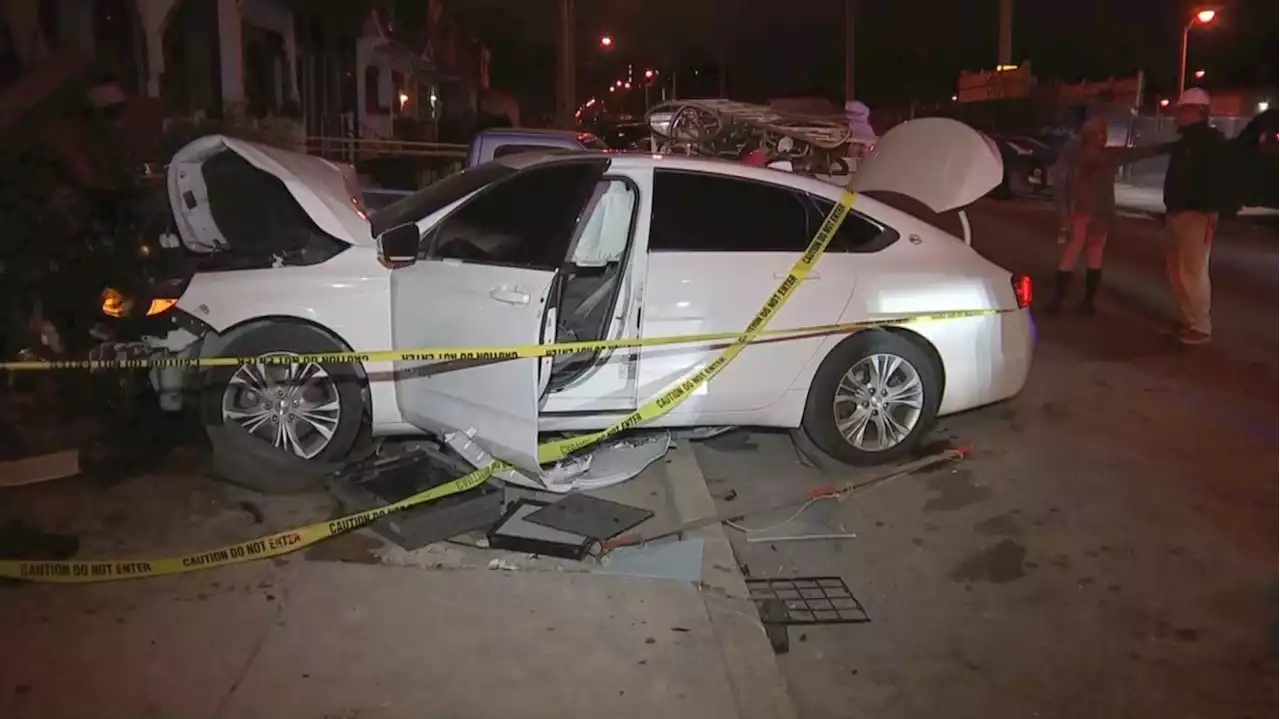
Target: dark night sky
<point>904,47</point>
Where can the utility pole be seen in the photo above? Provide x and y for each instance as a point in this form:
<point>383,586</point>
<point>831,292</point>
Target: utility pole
<point>726,19</point>
<point>849,12</point>
<point>1006,33</point>
<point>566,94</point>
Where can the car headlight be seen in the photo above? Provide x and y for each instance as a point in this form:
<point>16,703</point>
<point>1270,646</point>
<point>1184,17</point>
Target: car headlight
<point>114,303</point>
<point>160,305</point>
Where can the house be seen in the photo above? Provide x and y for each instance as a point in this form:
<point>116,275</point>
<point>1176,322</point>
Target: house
<point>358,68</point>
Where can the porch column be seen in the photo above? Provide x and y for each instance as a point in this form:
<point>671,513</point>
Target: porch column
<point>230,52</point>
<point>154,15</point>
<point>76,25</point>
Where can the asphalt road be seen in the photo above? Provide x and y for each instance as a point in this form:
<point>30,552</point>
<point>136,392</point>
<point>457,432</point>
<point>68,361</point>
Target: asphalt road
<point>1110,547</point>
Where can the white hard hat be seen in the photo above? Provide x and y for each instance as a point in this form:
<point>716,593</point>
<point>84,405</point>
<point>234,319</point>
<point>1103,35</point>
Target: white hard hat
<point>1194,96</point>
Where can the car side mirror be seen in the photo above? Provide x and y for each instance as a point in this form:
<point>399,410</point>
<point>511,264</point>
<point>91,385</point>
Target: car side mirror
<point>398,246</point>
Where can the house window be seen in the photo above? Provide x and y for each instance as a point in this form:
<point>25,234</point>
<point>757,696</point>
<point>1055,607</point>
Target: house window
<point>372,91</point>
<point>265,74</point>
<point>399,94</point>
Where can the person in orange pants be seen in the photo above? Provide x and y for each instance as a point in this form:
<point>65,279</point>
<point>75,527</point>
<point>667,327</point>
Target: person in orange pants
<point>1089,203</point>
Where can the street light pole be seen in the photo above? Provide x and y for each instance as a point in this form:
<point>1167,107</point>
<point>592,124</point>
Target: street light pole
<point>565,66</point>
<point>849,8</point>
<point>1204,17</point>
<point>1182,60</point>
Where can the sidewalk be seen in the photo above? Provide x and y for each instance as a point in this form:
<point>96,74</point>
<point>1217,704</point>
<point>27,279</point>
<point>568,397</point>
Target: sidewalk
<point>312,639</point>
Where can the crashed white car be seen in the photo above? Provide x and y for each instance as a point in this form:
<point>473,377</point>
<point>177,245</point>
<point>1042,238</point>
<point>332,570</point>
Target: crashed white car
<point>536,248</point>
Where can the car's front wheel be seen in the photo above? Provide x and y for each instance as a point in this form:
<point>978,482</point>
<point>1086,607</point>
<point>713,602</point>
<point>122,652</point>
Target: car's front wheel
<point>297,412</point>
<point>873,398</point>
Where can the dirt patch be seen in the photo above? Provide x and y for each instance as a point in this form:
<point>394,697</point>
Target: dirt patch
<point>1001,525</point>
<point>954,491</point>
<point>355,547</point>
<point>998,564</point>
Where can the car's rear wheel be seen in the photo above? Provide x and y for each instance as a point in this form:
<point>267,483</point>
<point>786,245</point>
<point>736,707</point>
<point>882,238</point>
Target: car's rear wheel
<point>297,413</point>
<point>873,398</point>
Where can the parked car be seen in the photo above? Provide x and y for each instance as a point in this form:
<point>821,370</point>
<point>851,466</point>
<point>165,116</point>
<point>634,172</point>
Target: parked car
<point>540,247</point>
<point>496,143</point>
<point>1026,165</point>
<point>1256,144</point>
<point>376,198</point>
<point>626,135</point>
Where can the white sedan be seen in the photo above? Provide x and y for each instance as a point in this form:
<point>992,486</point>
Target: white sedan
<point>535,248</point>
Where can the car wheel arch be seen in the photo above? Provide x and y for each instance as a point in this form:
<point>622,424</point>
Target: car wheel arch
<point>927,347</point>
<point>215,344</point>
<point>914,337</point>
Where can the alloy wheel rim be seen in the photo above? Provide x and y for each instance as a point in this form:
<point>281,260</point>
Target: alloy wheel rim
<point>293,405</point>
<point>878,402</point>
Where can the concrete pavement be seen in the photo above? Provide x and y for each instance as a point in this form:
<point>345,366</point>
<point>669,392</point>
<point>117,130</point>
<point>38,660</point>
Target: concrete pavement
<point>308,639</point>
<point>1109,548</point>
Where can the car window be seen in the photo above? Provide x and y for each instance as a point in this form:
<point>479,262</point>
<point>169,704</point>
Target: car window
<point>524,221</point>
<point>505,150</point>
<point>375,200</point>
<point>696,212</point>
<point>857,233</point>
<point>602,239</point>
<point>437,196</point>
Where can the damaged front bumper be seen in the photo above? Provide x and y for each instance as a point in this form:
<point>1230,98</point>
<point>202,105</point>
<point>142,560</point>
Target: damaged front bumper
<point>169,383</point>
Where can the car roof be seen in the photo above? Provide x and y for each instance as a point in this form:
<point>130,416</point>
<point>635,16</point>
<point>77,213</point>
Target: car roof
<point>683,163</point>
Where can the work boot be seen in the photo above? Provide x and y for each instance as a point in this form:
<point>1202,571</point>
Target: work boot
<point>1061,283</point>
<point>1092,278</point>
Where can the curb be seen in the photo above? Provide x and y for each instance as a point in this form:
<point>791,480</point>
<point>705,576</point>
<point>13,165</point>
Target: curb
<point>759,689</point>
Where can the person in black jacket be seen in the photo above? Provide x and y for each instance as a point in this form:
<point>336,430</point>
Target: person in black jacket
<point>1193,186</point>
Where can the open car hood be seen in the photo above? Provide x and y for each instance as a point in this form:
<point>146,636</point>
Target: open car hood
<point>226,193</point>
<point>943,163</point>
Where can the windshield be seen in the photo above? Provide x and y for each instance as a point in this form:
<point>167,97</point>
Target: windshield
<point>437,195</point>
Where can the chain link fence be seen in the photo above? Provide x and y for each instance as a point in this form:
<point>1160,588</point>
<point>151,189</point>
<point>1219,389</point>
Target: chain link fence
<point>1151,130</point>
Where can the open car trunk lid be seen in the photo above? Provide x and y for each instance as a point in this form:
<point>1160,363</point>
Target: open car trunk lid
<point>943,163</point>
<point>227,193</point>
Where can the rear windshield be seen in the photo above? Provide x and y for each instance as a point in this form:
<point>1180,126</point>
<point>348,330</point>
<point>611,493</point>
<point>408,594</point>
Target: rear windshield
<point>437,195</point>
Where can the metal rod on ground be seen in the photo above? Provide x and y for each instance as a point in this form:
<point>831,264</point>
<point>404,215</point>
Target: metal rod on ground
<point>827,490</point>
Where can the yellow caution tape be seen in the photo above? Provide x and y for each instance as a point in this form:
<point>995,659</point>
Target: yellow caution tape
<point>78,571</point>
<point>495,353</point>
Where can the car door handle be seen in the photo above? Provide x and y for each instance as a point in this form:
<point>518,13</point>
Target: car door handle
<point>510,296</point>
<point>811,276</point>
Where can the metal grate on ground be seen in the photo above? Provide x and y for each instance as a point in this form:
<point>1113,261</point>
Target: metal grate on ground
<point>810,600</point>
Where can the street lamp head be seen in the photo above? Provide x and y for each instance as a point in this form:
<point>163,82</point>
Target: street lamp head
<point>648,74</point>
<point>626,86</point>
<point>606,41</point>
<point>1198,74</point>
<point>1204,17</point>
<point>617,83</point>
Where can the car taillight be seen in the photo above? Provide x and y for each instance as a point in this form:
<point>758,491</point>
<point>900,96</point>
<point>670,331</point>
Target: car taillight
<point>1022,290</point>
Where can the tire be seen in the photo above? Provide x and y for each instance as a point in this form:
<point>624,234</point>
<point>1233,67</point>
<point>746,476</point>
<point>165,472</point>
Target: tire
<point>1004,190</point>
<point>905,358</point>
<point>327,384</point>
